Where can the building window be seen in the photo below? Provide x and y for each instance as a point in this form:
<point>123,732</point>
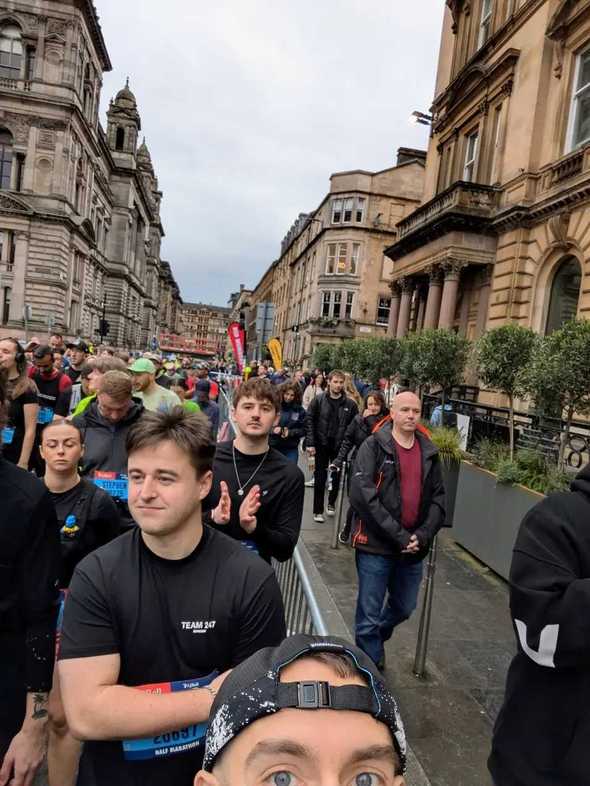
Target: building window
<point>6,305</point>
<point>337,304</point>
<point>360,209</point>
<point>5,160</point>
<point>354,258</point>
<point>469,169</point>
<point>485,24</point>
<point>30,63</point>
<point>383,308</point>
<point>348,305</point>
<point>344,208</point>
<point>342,261</point>
<point>120,138</point>
<point>565,294</point>
<point>11,52</point>
<point>580,111</point>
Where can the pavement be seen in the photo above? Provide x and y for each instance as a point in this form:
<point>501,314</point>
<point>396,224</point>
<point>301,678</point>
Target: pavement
<point>448,714</point>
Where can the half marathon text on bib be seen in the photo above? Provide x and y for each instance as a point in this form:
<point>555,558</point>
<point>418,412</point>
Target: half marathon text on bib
<point>171,742</point>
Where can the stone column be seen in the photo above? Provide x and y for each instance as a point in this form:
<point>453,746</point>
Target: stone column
<point>403,323</point>
<point>449,295</point>
<point>17,301</point>
<point>484,301</point>
<point>394,309</point>
<point>40,51</point>
<point>433,300</point>
<point>421,310</point>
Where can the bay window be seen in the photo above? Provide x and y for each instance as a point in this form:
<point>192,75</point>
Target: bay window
<point>580,110</point>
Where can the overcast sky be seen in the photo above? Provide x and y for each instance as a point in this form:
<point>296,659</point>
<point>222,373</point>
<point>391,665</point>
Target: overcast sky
<point>248,106</point>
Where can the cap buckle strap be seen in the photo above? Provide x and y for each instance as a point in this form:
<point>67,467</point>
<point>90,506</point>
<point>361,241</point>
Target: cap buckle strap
<point>313,695</point>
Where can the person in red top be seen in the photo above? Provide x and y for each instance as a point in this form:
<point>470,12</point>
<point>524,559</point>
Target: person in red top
<point>54,393</point>
<point>398,494</point>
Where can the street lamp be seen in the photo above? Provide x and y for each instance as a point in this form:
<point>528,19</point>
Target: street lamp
<point>420,118</point>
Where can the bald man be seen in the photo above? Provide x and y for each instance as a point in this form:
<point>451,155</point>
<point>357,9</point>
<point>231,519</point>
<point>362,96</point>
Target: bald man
<point>398,494</point>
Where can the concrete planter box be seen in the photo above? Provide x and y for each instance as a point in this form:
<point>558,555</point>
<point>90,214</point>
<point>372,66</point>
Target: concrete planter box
<point>488,515</point>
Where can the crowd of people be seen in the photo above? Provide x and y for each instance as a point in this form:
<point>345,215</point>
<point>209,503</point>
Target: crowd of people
<point>143,628</point>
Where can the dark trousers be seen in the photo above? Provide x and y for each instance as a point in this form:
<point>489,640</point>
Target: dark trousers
<point>376,615</point>
<point>323,458</point>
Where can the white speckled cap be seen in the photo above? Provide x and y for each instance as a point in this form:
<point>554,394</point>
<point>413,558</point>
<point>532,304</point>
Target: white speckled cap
<point>253,690</point>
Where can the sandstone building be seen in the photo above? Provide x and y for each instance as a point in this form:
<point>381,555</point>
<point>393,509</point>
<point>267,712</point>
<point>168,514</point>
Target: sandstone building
<point>80,221</point>
<point>331,281</point>
<point>206,325</point>
<point>504,229</point>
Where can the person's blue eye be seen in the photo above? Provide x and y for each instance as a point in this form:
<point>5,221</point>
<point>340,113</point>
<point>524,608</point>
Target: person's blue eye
<point>282,778</point>
<point>367,779</point>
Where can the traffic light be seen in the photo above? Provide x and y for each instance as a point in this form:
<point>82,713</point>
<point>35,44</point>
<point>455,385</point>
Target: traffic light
<point>103,328</point>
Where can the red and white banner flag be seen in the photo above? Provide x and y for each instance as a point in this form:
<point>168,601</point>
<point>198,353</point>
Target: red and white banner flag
<point>236,336</point>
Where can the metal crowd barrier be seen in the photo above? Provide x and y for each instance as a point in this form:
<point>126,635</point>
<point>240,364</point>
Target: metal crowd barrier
<point>302,612</point>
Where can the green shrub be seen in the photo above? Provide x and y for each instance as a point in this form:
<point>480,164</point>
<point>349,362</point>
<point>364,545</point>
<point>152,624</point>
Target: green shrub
<point>508,471</point>
<point>488,453</point>
<point>448,442</point>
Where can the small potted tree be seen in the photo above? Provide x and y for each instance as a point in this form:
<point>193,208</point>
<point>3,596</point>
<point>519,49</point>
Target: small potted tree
<point>558,376</point>
<point>502,355</point>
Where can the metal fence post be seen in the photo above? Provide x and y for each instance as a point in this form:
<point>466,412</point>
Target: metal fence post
<point>426,613</point>
<point>338,518</point>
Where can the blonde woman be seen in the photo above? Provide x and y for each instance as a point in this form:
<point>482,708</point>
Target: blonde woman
<point>316,386</point>
<point>352,392</point>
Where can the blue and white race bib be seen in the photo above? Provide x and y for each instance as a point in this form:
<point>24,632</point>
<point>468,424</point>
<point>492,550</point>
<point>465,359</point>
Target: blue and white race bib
<point>172,742</point>
<point>45,416</point>
<point>113,483</point>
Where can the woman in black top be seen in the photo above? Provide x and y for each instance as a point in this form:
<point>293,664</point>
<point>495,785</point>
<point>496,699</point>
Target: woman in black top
<point>87,518</point>
<point>19,432</point>
<point>362,426</point>
<point>287,433</point>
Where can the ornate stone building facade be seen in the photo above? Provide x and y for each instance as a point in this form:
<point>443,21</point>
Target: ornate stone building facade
<point>80,225</point>
<point>331,281</point>
<point>503,233</point>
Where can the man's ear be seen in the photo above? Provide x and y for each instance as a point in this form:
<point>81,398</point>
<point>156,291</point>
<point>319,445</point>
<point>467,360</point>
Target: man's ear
<point>204,483</point>
<point>203,778</point>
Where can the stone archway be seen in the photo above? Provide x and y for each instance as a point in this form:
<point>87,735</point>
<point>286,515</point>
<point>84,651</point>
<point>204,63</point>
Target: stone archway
<point>564,295</point>
<point>548,272</point>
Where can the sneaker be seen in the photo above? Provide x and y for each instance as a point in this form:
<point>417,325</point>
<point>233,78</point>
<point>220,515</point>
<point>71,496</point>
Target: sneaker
<point>318,517</point>
<point>331,510</point>
<point>344,537</point>
<point>310,483</point>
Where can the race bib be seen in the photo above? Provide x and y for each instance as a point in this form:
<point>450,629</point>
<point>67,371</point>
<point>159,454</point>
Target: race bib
<point>7,435</point>
<point>172,742</point>
<point>45,415</point>
<point>113,483</point>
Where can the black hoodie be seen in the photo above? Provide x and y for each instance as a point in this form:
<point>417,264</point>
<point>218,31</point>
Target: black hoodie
<point>542,735</point>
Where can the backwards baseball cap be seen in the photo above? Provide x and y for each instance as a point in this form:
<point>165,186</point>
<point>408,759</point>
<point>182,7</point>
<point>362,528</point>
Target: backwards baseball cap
<point>253,690</point>
<point>78,344</point>
<point>142,366</point>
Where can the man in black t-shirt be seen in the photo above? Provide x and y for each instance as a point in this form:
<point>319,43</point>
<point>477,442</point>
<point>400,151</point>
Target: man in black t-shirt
<point>78,353</point>
<point>154,617</point>
<point>257,494</point>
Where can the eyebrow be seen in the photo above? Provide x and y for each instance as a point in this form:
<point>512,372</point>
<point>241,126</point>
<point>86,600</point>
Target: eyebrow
<point>383,752</point>
<point>277,747</point>
<point>286,747</point>
<point>159,471</point>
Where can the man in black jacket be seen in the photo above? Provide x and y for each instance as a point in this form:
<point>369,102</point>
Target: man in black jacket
<point>542,732</point>
<point>328,417</point>
<point>104,425</point>
<point>398,494</point>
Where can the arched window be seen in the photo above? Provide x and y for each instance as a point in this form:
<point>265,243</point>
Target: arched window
<point>11,52</point>
<point>565,294</point>
<point>5,159</point>
<point>120,138</point>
